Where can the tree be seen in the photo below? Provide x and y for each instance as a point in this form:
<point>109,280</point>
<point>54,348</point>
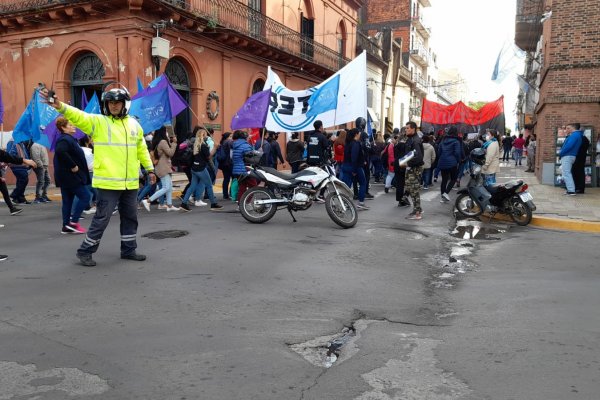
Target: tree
<point>476,105</point>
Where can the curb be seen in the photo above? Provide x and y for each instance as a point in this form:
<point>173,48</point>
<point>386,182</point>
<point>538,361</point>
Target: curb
<point>557,223</point>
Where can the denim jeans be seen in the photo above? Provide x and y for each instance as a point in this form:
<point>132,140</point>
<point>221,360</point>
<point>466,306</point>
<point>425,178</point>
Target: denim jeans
<point>389,178</point>
<point>22,179</point>
<point>43,181</point>
<point>70,214</point>
<point>426,177</point>
<point>200,181</point>
<point>348,177</point>
<point>567,165</point>
<point>518,156</point>
<point>166,189</point>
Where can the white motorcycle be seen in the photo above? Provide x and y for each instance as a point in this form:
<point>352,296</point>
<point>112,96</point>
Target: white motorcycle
<point>297,192</point>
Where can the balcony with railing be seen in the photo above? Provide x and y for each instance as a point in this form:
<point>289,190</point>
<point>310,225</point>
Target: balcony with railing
<point>420,84</point>
<point>421,55</point>
<point>528,25</point>
<point>363,42</point>
<point>229,17</point>
<point>421,26</point>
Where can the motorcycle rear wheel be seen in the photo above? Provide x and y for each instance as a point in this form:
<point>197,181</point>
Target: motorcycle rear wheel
<point>345,219</point>
<point>520,211</point>
<point>466,206</point>
<point>257,213</point>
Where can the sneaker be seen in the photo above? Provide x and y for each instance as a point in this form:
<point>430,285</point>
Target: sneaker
<point>414,215</point>
<point>86,260</point>
<point>66,231</point>
<point>216,207</point>
<point>425,187</point>
<point>387,190</point>
<point>403,204</point>
<point>3,257</point>
<point>16,210</point>
<point>90,211</point>
<point>163,207</point>
<point>446,197</point>
<point>172,208</point>
<point>369,196</point>
<point>146,205</point>
<point>38,200</point>
<point>362,206</point>
<point>184,207</point>
<point>570,194</point>
<point>75,227</point>
<point>200,203</point>
<point>46,198</point>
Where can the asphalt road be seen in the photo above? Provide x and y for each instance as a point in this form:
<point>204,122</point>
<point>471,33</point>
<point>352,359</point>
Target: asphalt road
<point>240,311</point>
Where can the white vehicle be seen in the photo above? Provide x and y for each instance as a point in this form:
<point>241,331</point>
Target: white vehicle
<point>297,192</point>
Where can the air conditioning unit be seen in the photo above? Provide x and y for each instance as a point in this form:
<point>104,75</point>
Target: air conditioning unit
<point>160,47</point>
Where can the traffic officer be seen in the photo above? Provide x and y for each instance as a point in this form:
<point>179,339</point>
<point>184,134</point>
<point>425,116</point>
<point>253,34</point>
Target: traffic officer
<point>119,149</point>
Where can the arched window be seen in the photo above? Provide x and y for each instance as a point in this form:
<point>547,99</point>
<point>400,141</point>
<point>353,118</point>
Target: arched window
<point>258,86</point>
<point>342,38</point>
<point>86,78</point>
<point>179,78</point>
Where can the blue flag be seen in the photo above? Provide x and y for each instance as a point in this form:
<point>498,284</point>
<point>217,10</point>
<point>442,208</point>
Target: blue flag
<point>254,111</point>
<point>324,98</point>
<point>157,106</point>
<point>140,87</point>
<point>34,120</point>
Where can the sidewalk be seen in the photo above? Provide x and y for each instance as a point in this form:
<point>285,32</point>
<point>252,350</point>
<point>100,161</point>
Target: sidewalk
<point>554,209</point>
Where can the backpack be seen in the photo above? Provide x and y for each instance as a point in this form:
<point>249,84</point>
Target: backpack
<point>186,155</point>
<point>222,154</point>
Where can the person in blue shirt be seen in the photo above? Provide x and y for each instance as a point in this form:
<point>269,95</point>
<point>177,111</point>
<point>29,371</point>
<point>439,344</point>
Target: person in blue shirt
<point>240,147</point>
<point>567,155</point>
<point>353,166</point>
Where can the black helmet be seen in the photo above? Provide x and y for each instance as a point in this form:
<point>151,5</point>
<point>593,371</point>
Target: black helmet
<point>116,94</point>
<point>478,156</point>
<point>360,123</point>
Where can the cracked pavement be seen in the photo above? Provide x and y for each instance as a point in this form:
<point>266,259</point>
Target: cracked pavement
<point>211,315</point>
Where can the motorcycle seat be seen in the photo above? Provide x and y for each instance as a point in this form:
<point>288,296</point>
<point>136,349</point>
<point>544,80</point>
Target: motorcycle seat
<point>515,183</point>
<point>285,175</point>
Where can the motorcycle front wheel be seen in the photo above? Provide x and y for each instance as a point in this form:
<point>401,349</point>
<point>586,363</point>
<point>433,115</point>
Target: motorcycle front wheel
<point>466,206</point>
<point>333,205</point>
<point>520,212</point>
<point>257,213</point>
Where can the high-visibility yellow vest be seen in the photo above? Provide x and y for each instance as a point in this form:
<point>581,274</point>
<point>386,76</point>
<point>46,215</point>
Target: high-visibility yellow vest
<point>119,148</point>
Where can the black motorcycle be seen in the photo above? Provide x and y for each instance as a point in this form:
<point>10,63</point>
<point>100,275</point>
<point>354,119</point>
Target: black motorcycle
<point>511,198</point>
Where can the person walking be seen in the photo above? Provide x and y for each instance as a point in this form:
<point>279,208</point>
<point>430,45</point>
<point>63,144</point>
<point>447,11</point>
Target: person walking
<point>519,145</point>
<point>72,176</point>
<point>451,154</point>
<point>492,157</point>
<point>579,165</point>
<point>428,161</point>
<point>201,179</point>
<point>164,149</point>
<point>316,145</point>
<point>400,173</point>
<point>119,148</point>
<point>353,166</point>
<point>5,158</point>
<point>223,156</point>
<point>568,154</point>
<point>39,154</point>
<point>376,150</point>
<point>21,172</point>
<point>387,158</point>
<point>531,149</point>
<point>507,143</point>
<point>414,170</point>
<point>294,150</point>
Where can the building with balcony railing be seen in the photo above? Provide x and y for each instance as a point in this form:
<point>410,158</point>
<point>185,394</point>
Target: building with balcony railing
<point>220,48</point>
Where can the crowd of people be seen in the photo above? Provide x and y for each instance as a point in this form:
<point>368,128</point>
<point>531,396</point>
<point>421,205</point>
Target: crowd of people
<point>141,175</point>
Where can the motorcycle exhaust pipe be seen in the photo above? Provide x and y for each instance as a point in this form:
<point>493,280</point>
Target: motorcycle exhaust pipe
<point>270,201</point>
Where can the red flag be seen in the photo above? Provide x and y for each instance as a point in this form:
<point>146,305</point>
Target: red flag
<point>253,136</point>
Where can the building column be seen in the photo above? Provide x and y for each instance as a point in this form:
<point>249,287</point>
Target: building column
<point>226,112</point>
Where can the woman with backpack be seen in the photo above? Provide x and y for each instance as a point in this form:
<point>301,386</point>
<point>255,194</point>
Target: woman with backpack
<point>201,179</point>
<point>164,149</point>
<point>223,157</point>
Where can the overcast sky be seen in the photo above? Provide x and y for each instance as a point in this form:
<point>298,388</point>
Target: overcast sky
<point>468,35</point>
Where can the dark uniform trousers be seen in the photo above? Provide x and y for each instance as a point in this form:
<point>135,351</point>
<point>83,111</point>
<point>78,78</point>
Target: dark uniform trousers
<point>106,202</point>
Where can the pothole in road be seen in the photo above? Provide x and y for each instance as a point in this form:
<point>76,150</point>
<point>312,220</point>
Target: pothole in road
<point>474,229</point>
<point>169,234</point>
<point>392,231</point>
<point>324,351</point>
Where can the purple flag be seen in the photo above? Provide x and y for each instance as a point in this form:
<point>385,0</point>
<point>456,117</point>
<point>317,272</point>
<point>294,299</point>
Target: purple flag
<point>253,113</point>
<point>1,106</point>
<point>78,133</point>
<point>84,100</point>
